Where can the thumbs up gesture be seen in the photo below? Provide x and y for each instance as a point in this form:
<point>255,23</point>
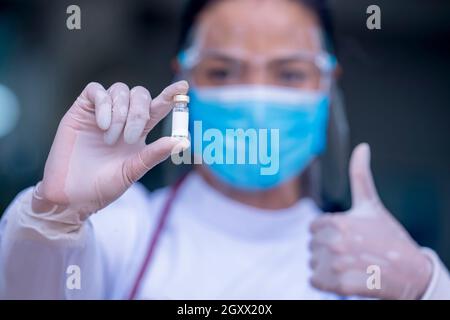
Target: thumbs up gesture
<point>365,251</point>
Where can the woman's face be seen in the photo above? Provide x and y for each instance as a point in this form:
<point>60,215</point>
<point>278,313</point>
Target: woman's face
<point>261,42</point>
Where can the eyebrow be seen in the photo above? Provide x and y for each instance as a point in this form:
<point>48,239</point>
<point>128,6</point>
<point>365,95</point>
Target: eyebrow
<point>224,57</point>
<point>286,60</point>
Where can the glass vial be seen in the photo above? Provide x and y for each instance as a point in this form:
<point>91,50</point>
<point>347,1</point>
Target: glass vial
<point>180,116</point>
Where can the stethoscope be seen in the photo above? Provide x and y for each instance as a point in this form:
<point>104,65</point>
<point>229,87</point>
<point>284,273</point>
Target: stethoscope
<point>164,213</point>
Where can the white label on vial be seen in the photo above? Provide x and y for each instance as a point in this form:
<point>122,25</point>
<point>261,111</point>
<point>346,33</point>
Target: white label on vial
<point>180,124</point>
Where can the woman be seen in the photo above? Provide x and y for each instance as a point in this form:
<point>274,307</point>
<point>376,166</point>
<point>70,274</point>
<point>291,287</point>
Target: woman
<point>227,230</point>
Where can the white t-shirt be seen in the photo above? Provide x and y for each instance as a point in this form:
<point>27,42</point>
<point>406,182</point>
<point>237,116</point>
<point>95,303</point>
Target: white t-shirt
<point>211,247</point>
<point>216,248</point>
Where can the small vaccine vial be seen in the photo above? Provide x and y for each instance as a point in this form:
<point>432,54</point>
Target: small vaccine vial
<point>180,116</point>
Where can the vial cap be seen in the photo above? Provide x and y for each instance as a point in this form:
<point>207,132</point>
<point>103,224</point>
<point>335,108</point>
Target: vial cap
<point>181,98</point>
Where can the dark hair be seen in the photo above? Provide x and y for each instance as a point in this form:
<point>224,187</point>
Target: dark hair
<point>194,7</point>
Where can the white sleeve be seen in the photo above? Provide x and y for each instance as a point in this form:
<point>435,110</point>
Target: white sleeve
<point>42,257</point>
<point>439,286</point>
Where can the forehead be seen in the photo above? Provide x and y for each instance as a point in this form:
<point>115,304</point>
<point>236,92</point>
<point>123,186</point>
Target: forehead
<point>258,27</point>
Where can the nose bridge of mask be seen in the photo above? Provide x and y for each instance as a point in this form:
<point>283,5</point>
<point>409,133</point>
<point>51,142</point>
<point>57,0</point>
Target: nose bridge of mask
<point>257,107</point>
<point>233,95</point>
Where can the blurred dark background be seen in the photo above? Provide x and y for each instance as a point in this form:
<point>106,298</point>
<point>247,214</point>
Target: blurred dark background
<point>395,81</point>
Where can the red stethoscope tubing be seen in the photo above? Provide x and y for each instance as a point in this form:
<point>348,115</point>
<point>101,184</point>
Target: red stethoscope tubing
<point>156,236</point>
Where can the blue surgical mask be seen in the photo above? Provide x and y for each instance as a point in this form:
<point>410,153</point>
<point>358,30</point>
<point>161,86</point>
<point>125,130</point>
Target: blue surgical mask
<point>280,130</point>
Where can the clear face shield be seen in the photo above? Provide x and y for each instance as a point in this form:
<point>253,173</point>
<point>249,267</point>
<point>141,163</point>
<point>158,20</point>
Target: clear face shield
<point>297,70</point>
<point>266,98</point>
<point>302,64</point>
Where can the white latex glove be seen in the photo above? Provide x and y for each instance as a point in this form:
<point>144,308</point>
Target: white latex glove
<point>99,149</point>
<point>344,246</point>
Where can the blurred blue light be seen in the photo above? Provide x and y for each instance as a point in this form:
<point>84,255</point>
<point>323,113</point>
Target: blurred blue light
<point>9,110</point>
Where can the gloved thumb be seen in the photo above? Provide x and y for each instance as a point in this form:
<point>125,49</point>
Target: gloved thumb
<point>361,181</point>
<point>136,166</point>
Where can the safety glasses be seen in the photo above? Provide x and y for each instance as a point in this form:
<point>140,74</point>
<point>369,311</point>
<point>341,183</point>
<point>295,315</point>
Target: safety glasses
<point>303,70</point>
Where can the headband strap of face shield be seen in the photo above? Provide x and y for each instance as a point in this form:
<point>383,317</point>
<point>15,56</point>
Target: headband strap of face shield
<point>197,51</point>
<point>326,62</point>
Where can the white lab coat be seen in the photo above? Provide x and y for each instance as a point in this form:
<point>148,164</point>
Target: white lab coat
<point>211,248</point>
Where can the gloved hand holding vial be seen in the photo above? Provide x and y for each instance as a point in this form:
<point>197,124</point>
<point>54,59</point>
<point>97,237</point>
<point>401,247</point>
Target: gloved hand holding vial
<point>108,127</point>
